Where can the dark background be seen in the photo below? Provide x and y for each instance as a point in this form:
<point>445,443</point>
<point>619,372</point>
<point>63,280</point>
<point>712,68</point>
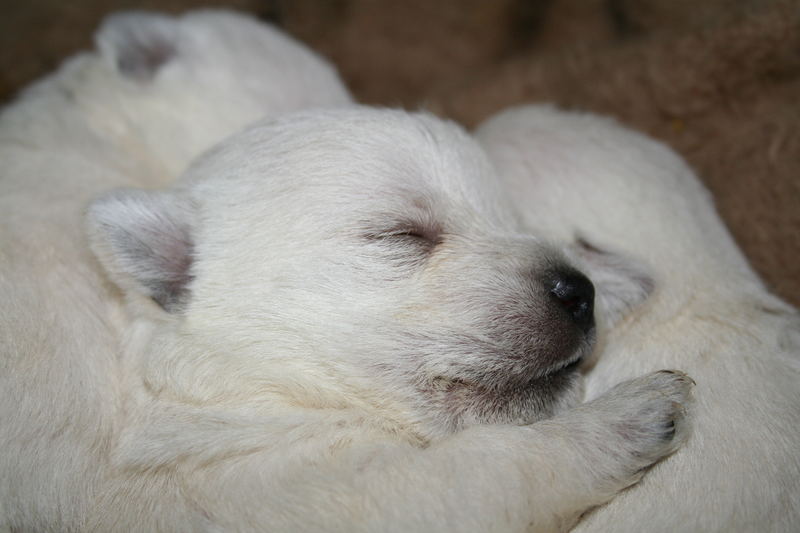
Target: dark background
<point>719,80</point>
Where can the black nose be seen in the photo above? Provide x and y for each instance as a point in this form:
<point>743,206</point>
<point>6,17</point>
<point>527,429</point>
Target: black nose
<point>575,293</point>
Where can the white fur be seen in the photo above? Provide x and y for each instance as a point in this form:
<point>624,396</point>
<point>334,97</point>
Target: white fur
<point>290,339</point>
<point>575,174</point>
<point>223,71</point>
<point>286,388</point>
<point>81,131</point>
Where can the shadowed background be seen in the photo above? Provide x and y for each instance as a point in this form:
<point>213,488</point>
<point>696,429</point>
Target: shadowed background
<point>718,80</point>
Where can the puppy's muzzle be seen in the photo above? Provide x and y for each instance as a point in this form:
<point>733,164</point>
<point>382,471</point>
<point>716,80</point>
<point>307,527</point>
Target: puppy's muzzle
<point>575,294</point>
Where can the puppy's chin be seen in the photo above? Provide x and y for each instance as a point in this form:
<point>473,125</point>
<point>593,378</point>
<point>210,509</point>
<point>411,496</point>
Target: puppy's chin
<point>487,383</point>
<point>460,404</point>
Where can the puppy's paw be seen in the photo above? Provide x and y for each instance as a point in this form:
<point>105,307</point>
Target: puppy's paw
<point>656,418</point>
<point>653,415</point>
<point>648,418</point>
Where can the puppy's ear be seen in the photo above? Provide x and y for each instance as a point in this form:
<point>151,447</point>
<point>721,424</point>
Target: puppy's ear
<point>137,43</point>
<point>621,282</point>
<point>144,241</point>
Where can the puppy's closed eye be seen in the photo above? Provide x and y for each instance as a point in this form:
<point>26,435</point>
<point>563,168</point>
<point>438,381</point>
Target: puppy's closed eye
<point>417,235</point>
<point>423,236</point>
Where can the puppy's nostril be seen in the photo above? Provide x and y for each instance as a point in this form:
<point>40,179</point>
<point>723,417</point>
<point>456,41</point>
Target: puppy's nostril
<point>575,293</point>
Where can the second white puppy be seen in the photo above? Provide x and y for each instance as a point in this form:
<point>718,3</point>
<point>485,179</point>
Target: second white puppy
<point>574,174</point>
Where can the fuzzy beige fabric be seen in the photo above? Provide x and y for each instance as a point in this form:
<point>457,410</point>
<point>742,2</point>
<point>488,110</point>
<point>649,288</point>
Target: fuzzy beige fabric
<point>717,80</point>
<point>725,96</point>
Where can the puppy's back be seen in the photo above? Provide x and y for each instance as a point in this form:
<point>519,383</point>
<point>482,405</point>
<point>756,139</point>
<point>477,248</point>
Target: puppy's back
<point>580,175</point>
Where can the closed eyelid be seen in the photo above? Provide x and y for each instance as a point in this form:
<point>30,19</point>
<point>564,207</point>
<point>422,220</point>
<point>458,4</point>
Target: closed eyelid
<point>429,234</point>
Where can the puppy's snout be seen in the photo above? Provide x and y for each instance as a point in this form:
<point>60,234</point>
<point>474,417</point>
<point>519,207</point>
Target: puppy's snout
<point>575,293</point>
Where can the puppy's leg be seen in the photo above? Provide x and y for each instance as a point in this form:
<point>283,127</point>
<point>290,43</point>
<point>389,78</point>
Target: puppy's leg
<point>541,477</point>
<point>587,455</point>
<point>628,428</point>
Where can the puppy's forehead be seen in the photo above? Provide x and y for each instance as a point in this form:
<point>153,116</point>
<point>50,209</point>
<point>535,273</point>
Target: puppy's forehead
<point>376,159</point>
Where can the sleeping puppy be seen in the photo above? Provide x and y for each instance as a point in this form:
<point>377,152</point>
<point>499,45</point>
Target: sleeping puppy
<point>332,322</point>
<point>336,326</point>
<point>582,177</point>
<point>159,92</point>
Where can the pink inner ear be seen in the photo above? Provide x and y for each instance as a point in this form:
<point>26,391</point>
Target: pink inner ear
<point>138,43</point>
<point>173,260</point>
<point>141,63</point>
<point>149,238</point>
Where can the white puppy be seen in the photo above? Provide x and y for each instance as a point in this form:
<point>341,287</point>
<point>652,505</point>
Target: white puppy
<point>160,92</point>
<point>329,324</point>
<point>162,89</point>
<point>577,174</point>
<point>328,310</point>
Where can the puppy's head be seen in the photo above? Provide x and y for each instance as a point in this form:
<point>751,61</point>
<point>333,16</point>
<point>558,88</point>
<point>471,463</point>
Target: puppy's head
<point>219,67</point>
<point>578,174</point>
<point>356,256</point>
